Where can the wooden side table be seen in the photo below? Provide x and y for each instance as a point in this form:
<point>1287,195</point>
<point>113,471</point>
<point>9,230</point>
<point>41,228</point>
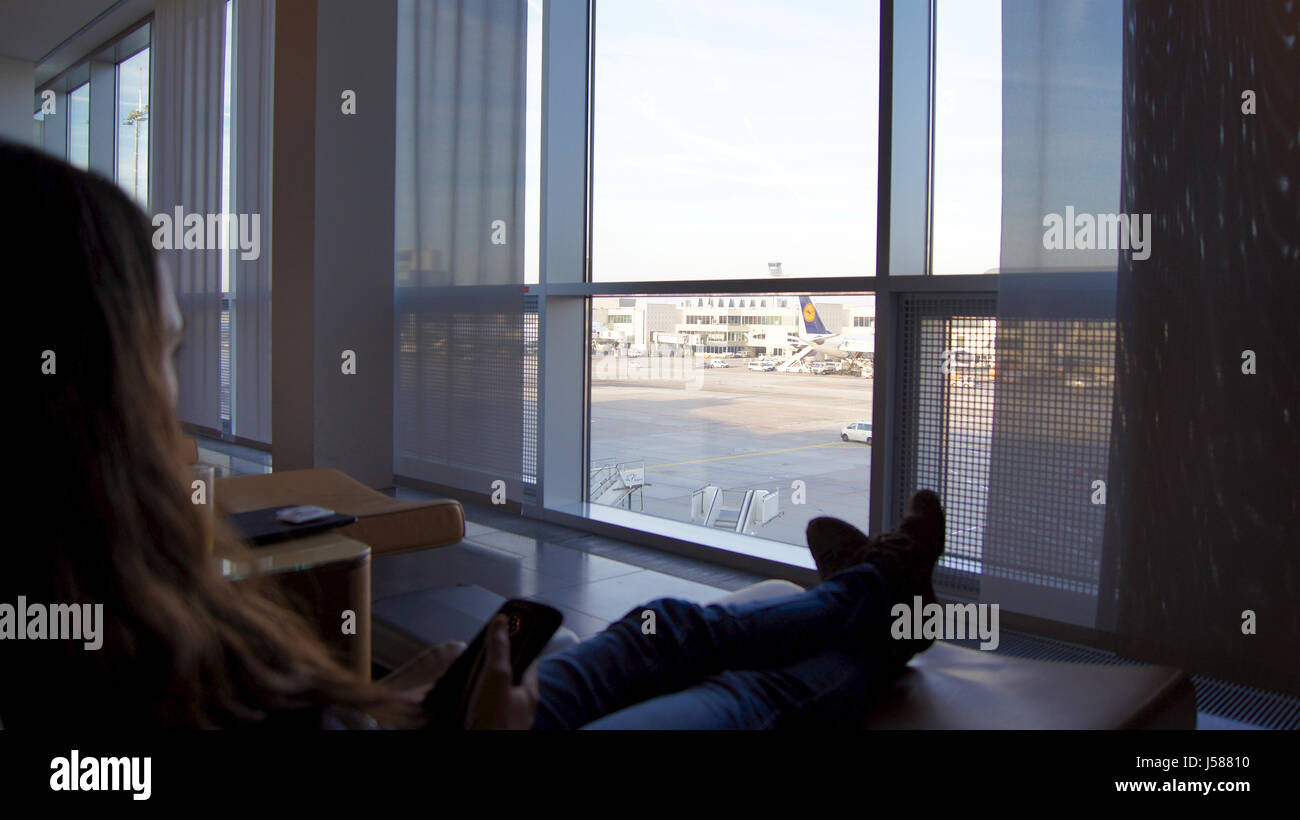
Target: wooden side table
<point>322,576</point>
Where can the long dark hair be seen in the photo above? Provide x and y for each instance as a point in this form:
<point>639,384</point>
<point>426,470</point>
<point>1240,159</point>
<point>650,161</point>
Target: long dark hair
<point>105,493</point>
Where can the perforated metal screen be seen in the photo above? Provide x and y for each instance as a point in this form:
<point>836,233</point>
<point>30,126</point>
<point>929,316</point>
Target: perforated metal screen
<point>226,376</point>
<point>460,353</point>
<point>531,352</point>
<point>944,421</point>
<point>1051,437</point>
<point>1008,419</point>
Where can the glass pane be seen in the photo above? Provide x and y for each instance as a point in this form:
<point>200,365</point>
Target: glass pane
<point>229,356</point>
<point>738,418</point>
<point>226,94</point>
<point>133,126</point>
<point>734,139</point>
<point>533,145</point>
<point>967,136</point>
<point>79,126</point>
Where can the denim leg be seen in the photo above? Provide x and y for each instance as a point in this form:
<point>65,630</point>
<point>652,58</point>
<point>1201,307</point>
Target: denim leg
<point>829,690</point>
<point>622,666</point>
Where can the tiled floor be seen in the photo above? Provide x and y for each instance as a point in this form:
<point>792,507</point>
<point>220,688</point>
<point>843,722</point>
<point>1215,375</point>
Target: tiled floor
<point>557,566</point>
<point>590,579</point>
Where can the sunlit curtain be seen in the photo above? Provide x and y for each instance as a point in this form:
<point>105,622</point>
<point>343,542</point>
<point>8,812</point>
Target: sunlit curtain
<point>459,242</point>
<point>185,172</point>
<point>253,118</point>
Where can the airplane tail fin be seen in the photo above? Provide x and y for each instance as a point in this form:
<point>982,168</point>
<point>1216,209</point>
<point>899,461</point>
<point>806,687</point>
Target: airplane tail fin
<point>812,321</point>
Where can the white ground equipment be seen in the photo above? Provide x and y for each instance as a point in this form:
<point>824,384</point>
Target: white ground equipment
<point>799,354</point>
<point>617,483</point>
<point>743,511</point>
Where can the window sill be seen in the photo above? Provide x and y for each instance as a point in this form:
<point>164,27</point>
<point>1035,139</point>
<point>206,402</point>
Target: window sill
<point>746,552</point>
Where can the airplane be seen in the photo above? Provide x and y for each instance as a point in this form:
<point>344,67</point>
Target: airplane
<point>817,339</point>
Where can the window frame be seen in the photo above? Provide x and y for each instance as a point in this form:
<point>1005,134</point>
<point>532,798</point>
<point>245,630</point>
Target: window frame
<point>117,102</point>
<point>565,289</point>
<point>103,96</point>
<point>905,192</point>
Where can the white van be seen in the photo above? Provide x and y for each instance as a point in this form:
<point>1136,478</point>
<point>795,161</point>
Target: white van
<point>857,431</point>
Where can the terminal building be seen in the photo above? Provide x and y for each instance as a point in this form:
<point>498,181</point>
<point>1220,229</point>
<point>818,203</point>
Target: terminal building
<point>716,325</point>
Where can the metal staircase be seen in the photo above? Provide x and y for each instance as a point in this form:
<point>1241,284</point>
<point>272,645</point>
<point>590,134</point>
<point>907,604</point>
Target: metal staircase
<point>789,362</point>
<point>616,483</point>
<point>742,511</point>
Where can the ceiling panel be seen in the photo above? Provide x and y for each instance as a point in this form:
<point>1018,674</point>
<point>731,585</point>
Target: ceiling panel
<point>61,31</point>
<point>30,29</point>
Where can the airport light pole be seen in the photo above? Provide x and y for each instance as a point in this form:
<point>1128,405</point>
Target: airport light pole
<point>137,115</point>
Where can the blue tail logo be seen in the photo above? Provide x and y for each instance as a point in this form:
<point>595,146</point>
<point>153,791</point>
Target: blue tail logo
<point>811,321</point>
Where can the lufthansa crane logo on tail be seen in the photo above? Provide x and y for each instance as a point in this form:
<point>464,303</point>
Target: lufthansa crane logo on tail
<point>809,312</point>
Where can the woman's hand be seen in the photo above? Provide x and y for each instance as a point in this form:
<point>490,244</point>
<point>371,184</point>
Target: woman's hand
<point>496,703</point>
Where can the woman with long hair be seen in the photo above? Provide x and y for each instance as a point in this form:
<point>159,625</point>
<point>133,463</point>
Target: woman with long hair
<point>109,503</point>
<point>112,525</point>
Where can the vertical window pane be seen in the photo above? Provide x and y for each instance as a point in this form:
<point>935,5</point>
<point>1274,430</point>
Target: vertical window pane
<point>967,136</point>
<point>533,145</point>
<point>734,139</point>
<point>228,356</point>
<point>226,192</point>
<point>133,126</point>
<point>79,126</point>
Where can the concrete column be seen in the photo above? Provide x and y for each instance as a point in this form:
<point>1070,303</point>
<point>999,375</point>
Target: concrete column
<point>355,160</point>
<point>332,283</point>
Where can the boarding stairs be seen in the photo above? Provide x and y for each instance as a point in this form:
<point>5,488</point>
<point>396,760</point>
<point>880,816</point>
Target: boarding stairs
<point>742,511</point>
<point>794,359</point>
<point>616,483</point>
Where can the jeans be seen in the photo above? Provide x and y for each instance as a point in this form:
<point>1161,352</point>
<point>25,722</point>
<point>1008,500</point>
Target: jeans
<point>799,660</point>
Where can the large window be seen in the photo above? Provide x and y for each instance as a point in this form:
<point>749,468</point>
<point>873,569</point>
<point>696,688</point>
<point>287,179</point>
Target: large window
<point>133,126</point>
<point>734,139</point>
<point>79,126</point>
<point>720,359</point>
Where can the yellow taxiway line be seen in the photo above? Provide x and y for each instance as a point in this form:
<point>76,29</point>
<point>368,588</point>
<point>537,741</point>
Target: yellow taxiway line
<point>747,455</point>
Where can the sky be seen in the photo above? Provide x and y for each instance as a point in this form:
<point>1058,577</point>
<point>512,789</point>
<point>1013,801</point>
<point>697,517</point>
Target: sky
<point>734,133</point>
<point>967,136</point>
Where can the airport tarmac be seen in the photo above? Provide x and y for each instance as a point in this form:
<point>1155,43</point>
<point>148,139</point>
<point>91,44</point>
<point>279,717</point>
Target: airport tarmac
<point>741,429</point>
<point>738,429</point>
